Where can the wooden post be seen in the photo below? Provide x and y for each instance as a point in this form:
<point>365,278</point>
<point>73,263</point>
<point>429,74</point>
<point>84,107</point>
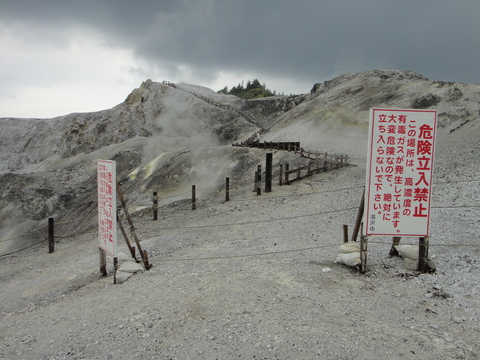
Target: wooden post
<point>227,189</point>
<point>363,253</point>
<point>115,268</point>
<point>359,217</point>
<point>422,254</point>
<point>280,179</point>
<point>145,256</point>
<point>193,197</point>
<point>298,172</point>
<point>393,250</point>
<point>155,206</point>
<point>345,233</point>
<point>103,262</point>
<point>51,237</point>
<point>259,179</point>
<point>287,168</point>
<point>268,172</point>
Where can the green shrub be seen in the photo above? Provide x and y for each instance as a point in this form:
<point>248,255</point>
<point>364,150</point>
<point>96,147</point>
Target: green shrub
<point>253,90</point>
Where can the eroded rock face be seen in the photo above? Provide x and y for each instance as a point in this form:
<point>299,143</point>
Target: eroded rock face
<point>368,76</point>
<point>271,107</point>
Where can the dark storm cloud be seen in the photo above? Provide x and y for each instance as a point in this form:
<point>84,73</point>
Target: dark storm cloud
<point>309,40</point>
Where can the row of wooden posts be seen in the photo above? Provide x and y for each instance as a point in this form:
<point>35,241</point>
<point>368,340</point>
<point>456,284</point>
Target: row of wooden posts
<point>285,178</point>
<point>423,242</point>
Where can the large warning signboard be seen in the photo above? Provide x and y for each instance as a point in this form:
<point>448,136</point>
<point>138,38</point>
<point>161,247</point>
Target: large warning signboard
<point>399,172</point>
<point>107,208</point>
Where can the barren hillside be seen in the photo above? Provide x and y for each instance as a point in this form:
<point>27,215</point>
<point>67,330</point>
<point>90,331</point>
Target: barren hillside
<point>165,139</point>
<point>250,278</point>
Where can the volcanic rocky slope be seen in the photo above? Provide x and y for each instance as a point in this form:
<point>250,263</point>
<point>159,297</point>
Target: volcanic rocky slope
<point>167,138</point>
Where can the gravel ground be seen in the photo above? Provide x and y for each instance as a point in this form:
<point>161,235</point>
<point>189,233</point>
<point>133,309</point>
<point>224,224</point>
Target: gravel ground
<point>252,278</point>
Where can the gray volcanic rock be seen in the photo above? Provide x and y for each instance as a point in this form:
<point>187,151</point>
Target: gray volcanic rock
<point>167,138</point>
<point>251,278</point>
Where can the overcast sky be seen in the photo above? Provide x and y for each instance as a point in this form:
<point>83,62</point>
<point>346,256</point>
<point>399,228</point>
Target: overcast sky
<point>64,56</point>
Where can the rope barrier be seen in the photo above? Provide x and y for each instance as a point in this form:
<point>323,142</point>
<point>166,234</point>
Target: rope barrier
<point>257,221</point>
<point>23,235</point>
<point>76,235</point>
<point>25,248</point>
<point>283,252</point>
<point>240,223</point>
<point>232,191</point>
<point>247,255</point>
<point>255,199</point>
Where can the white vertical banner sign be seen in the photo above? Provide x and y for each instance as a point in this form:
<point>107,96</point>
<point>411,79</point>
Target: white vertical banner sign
<point>398,189</point>
<point>107,206</point>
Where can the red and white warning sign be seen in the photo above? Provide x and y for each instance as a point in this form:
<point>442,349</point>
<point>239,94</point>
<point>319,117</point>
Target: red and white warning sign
<point>398,189</point>
<point>107,207</point>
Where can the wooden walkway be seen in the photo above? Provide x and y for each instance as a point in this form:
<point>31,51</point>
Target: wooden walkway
<point>317,162</point>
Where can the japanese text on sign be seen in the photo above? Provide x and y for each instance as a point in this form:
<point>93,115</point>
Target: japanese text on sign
<point>399,172</point>
<point>107,216</point>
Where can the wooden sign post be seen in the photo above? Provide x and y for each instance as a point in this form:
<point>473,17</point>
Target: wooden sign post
<point>107,215</point>
<point>268,172</point>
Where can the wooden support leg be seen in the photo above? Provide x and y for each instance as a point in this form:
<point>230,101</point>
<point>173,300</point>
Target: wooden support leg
<point>363,253</point>
<point>103,262</point>
<point>422,254</point>
<point>358,221</point>
<point>115,268</point>
<point>345,233</point>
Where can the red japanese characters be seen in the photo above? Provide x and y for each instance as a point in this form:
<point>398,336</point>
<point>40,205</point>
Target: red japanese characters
<point>107,217</point>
